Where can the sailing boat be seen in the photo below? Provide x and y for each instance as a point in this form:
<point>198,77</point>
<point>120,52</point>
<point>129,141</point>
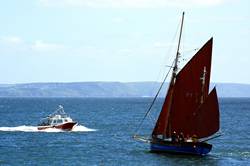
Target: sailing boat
<point>190,114</point>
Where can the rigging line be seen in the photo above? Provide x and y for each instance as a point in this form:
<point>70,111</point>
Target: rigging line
<point>186,55</point>
<point>190,50</point>
<point>161,74</point>
<point>161,84</point>
<point>151,118</point>
<point>151,105</point>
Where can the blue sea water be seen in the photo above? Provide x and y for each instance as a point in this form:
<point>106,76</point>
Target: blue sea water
<point>115,121</point>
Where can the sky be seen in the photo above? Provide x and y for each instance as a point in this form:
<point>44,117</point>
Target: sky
<point>119,40</point>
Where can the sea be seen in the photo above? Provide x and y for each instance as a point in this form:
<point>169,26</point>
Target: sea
<point>104,135</point>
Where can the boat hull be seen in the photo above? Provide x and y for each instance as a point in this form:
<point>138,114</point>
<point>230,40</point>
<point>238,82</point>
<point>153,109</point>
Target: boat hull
<point>65,126</point>
<point>193,148</point>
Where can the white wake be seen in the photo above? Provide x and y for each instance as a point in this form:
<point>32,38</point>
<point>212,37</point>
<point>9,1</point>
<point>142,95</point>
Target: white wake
<point>24,128</point>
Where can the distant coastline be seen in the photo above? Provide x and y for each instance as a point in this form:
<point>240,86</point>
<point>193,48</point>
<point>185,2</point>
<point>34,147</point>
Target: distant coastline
<point>107,89</point>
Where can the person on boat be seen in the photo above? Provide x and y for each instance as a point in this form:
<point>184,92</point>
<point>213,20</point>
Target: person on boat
<point>181,137</point>
<point>174,137</point>
<point>194,138</point>
<point>188,138</point>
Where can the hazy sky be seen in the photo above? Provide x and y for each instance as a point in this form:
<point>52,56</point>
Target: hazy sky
<point>119,40</point>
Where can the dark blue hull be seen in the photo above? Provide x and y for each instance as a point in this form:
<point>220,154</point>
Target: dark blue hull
<point>194,148</point>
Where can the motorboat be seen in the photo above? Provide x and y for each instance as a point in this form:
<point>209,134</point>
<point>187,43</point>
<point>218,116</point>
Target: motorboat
<point>58,120</point>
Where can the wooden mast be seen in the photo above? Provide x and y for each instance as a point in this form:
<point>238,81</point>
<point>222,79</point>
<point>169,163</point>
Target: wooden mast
<point>177,53</point>
<point>173,78</point>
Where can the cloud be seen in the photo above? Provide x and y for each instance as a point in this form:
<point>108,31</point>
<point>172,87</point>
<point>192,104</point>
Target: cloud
<point>42,46</point>
<point>11,40</point>
<point>12,45</point>
<point>131,3</point>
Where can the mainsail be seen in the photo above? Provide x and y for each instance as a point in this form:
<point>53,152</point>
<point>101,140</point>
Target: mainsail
<point>188,106</point>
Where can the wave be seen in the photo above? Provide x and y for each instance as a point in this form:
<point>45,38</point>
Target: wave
<point>80,128</point>
<point>24,128</point>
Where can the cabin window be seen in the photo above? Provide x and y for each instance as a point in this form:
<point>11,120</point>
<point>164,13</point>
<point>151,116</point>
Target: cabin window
<point>54,121</point>
<point>66,120</point>
<point>59,121</point>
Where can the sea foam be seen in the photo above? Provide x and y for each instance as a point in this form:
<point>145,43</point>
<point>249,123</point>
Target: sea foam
<point>24,128</point>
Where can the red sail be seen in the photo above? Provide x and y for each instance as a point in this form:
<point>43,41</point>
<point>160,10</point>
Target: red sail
<point>206,118</point>
<point>161,124</point>
<point>187,94</point>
